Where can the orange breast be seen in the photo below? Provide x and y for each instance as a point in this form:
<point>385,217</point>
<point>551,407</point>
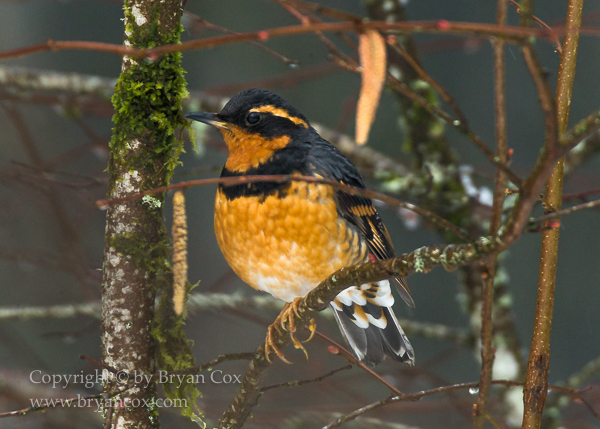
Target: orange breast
<point>286,245</point>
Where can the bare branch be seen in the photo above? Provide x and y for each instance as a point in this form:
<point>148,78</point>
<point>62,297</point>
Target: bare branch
<point>589,370</point>
<point>536,382</point>
<point>487,291</point>
<point>544,25</point>
<point>510,34</point>
<point>297,383</point>
<point>337,349</point>
<point>576,394</point>
<point>202,22</point>
<point>557,214</point>
<point>103,204</point>
<point>58,403</point>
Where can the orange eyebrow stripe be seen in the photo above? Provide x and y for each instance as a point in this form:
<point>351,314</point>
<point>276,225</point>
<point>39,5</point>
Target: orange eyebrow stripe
<point>277,111</point>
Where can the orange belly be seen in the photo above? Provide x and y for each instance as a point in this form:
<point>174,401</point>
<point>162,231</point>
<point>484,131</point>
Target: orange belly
<point>286,245</point>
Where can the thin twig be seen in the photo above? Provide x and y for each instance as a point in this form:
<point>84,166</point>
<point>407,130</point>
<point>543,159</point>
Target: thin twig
<point>92,95</point>
<point>220,29</point>
<point>460,123</point>
<point>69,238</point>
<point>589,370</point>
<point>545,97</point>
<point>487,292</point>
<point>192,370</point>
<point>322,10</point>
<point>279,178</point>
<point>108,420</point>
<point>342,58</point>
<point>492,420</point>
<point>206,365</point>
<point>543,25</point>
<point>395,45</point>
<point>297,383</point>
<point>590,408</point>
<point>418,395</point>
<point>399,86</point>
<point>292,78</point>
<point>55,403</point>
<point>581,130</point>
<point>100,364</point>
<point>50,404</point>
<point>580,195</point>
<point>558,213</point>
<point>508,33</point>
<point>225,301</point>
<point>339,350</point>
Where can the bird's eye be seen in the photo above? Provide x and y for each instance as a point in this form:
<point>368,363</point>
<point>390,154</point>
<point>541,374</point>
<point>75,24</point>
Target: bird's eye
<point>253,118</point>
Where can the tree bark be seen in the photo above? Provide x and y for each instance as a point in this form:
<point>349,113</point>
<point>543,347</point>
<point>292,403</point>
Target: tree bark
<point>143,153</point>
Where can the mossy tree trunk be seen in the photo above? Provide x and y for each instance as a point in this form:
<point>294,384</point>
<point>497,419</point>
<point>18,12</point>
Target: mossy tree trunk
<point>143,153</point>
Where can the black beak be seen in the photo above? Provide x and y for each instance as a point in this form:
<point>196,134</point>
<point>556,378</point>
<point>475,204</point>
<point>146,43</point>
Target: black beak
<point>207,118</point>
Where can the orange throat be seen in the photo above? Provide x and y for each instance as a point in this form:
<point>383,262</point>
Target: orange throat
<point>248,150</point>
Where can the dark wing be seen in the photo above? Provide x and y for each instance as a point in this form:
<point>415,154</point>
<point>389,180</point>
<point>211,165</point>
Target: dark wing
<point>325,160</point>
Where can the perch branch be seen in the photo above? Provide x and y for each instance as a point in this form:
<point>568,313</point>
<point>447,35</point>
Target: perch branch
<point>536,382</point>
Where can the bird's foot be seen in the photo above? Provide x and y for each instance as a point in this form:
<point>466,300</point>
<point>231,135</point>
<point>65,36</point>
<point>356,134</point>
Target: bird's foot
<point>270,344</point>
<point>287,316</point>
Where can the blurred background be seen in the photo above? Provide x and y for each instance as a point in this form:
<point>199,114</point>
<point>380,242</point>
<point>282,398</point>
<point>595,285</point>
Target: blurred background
<point>53,156</point>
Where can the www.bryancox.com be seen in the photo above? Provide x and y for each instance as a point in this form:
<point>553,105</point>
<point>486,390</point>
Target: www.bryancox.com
<point>102,404</point>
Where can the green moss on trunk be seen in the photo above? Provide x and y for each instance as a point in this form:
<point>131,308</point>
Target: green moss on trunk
<point>144,151</point>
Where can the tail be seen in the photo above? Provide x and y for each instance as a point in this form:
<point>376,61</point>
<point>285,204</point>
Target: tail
<point>365,317</point>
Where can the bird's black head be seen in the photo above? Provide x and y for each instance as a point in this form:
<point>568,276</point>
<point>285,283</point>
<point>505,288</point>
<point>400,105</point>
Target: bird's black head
<point>255,124</point>
<point>263,112</point>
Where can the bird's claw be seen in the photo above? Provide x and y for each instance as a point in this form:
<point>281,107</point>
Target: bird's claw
<point>271,347</point>
<point>287,316</point>
<point>312,327</point>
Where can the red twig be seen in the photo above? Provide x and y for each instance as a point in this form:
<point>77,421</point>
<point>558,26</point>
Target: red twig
<point>508,33</point>
<point>339,350</point>
<point>100,364</point>
<point>281,178</point>
<point>580,195</point>
<point>543,25</point>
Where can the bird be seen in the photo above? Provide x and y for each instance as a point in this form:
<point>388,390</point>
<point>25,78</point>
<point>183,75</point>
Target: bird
<point>285,238</point>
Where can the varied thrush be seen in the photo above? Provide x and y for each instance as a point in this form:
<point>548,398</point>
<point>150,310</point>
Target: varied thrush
<point>285,238</point>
